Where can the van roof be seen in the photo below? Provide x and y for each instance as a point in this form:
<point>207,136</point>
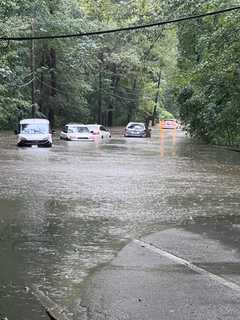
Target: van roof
<point>29,121</point>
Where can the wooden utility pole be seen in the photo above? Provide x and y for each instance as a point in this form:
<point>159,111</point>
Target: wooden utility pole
<point>33,71</point>
<point>52,63</point>
<point>156,99</point>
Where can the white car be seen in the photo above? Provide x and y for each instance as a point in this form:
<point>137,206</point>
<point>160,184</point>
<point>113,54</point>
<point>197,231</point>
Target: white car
<point>34,132</point>
<point>75,131</point>
<point>98,131</point>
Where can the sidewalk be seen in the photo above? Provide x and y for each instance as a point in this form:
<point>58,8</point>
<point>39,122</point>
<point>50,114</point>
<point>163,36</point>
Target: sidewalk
<point>173,274</point>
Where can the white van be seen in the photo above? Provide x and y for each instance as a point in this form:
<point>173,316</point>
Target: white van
<point>34,132</point>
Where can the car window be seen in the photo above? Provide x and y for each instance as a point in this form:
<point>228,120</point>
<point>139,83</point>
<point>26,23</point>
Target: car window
<point>136,126</point>
<point>92,128</point>
<point>35,128</point>
<point>83,129</point>
<point>102,128</point>
<point>72,129</point>
<point>77,129</point>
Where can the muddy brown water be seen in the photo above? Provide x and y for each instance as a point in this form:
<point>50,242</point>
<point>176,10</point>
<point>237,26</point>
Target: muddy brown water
<point>67,210</point>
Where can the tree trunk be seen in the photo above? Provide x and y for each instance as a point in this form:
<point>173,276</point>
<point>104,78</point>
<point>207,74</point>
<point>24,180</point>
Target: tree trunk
<point>132,104</point>
<point>110,118</point>
<point>41,84</point>
<point>156,100</point>
<point>53,84</point>
<point>100,96</point>
<point>114,84</point>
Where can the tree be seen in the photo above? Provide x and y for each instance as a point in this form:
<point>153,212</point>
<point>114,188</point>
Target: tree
<point>208,55</point>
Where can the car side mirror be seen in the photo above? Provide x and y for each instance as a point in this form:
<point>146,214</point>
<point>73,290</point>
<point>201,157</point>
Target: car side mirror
<point>16,131</point>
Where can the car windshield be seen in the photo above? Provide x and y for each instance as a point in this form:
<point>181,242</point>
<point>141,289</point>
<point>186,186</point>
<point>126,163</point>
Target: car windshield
<point>136,126</point>
<point>37,128</point>
<point>76,129</point>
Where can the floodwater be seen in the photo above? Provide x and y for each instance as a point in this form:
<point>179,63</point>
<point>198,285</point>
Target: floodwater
<point>67,210</point>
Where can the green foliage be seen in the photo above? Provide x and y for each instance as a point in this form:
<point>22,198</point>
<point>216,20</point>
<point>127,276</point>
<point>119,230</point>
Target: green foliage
<point>190,70</point>
<point>208,73</point>
<point>165,115</point>
<point>85,79</point>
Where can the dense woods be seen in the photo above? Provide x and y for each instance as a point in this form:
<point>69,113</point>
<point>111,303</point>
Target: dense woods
<point>190,70</point>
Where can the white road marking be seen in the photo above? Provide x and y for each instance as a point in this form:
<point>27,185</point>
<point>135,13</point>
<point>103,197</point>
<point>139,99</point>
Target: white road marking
<point>190,265</point>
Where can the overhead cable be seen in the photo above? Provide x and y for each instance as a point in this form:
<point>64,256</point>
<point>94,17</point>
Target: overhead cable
<point>131,28</point>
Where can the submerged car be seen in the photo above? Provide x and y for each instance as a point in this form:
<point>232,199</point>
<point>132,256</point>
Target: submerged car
<point>34,132</point>
<point>137,129</point>
<point>75,131</point>
<point>98,131</point>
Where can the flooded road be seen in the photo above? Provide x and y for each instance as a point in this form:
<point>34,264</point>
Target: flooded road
<point>67,210</point>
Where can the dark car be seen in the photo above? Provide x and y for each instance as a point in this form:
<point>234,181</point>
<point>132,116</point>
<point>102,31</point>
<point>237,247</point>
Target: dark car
<point>137,129</point>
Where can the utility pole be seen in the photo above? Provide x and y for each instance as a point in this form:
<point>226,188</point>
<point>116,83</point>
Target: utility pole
<point>156,99</point>
<point>33,70</point>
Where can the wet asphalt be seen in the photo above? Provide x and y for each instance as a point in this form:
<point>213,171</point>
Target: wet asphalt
<point>67,211</point>
<point>172,274</point>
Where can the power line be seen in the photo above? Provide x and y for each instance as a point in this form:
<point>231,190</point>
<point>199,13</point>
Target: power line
<point>132,28</point>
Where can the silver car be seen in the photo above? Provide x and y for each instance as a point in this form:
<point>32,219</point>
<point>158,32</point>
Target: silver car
<point>137,129</point>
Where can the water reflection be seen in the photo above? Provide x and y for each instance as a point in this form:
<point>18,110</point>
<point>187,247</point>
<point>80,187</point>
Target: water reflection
<point>168,147</point>
<point>67,210</point>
